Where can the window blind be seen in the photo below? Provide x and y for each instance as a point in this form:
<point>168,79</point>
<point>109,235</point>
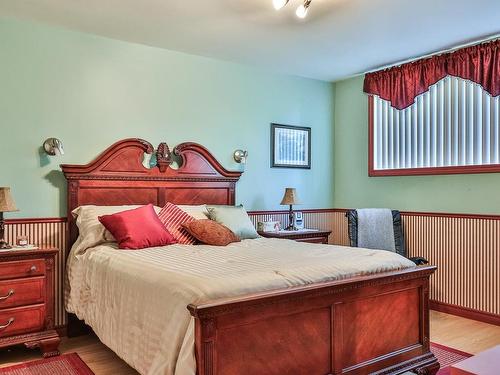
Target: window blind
<point>455,123</point>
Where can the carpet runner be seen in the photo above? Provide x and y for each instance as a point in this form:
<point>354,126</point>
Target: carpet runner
<point>66,364</point>
<point>447,356</point>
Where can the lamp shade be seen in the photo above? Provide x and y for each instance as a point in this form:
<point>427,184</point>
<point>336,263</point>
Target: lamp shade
<point>290,197</point>
<point>6,201</point>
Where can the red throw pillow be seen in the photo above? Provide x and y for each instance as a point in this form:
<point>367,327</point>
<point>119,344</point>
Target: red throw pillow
<point>173,217</point>
<point>137,229</point>
<point>211,232</point>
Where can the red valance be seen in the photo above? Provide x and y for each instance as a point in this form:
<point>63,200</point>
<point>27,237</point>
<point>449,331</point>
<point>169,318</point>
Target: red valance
<point>400,85</point>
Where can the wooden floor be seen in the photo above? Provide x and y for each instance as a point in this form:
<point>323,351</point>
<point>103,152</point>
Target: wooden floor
<point>459,333</point>
<point>463,334</point>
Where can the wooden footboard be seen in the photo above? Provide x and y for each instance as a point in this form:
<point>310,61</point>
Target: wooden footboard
<point>371,324</point>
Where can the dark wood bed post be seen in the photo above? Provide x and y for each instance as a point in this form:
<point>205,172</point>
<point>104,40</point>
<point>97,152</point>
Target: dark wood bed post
<point>375,324</point>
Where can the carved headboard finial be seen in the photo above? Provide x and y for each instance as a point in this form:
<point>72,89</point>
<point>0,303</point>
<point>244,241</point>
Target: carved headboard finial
<point>163,157</point>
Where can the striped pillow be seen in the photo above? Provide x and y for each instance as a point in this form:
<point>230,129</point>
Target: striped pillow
<point>173,217</point>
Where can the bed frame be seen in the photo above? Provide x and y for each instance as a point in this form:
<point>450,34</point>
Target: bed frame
<point>372,324</point>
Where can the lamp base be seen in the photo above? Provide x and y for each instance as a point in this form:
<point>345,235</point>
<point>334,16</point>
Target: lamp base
<point>291,221</point>
<point>4,245</point>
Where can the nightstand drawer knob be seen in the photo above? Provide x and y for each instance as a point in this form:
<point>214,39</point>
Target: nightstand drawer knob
<point>10,294</point>
<point>11,320</point>
<point>33,268</point>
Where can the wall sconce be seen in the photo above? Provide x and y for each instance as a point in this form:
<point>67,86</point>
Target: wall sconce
<point>240,156</point>
<point>53,147</point>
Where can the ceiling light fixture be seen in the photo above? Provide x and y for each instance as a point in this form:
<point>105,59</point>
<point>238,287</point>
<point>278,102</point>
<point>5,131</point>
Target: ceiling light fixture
<point>278,4</point>
<point>302,10</point>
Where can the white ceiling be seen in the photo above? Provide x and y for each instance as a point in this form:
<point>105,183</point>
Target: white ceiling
<point>339,38</point>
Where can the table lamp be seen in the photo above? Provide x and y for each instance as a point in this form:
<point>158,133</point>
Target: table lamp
<point>290,198</point>
<point>6,205</point>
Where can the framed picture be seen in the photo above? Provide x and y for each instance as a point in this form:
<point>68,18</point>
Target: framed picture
<point>290,146</point>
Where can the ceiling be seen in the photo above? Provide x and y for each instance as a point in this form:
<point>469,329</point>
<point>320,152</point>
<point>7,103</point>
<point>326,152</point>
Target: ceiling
<point>339,38</point>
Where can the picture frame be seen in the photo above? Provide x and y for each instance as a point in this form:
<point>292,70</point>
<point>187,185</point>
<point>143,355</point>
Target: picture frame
<point>290,146</point>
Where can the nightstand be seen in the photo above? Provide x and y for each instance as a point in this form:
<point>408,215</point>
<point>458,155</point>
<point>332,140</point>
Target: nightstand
<point>27,300</point>
<point>304,235</point>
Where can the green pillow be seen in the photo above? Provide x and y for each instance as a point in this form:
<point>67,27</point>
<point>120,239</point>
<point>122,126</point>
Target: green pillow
<point>235,218</point>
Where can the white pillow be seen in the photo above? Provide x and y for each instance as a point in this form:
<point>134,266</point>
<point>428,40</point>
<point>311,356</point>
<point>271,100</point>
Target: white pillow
<point>198,212</point>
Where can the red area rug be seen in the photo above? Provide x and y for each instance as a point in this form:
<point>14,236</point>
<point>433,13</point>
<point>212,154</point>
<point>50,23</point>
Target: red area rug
<point>447,356</point>
<point>66,364</point>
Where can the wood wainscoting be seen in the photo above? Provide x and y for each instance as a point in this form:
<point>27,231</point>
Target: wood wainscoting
<point>466,249</point>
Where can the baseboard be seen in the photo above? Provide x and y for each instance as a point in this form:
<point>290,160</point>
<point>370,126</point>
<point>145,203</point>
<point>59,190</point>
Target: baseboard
<point>465,312</point>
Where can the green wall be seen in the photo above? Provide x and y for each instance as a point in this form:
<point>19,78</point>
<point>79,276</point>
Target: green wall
<point>472,193</point>
<point>91,91</point>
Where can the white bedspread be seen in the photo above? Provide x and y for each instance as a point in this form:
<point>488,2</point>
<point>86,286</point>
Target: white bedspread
<point>136,300</point>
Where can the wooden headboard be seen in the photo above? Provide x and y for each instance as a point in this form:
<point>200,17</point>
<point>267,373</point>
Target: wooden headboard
<point>118,177</point>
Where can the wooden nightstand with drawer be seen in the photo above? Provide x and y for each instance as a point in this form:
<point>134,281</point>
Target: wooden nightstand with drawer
<point>27,300</point>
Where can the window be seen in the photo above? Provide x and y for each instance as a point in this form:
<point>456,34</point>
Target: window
<point>436,115</point>
<point>454,127</point>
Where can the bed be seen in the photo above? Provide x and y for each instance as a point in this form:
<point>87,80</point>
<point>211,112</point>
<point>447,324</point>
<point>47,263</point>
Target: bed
<point>263,306</point>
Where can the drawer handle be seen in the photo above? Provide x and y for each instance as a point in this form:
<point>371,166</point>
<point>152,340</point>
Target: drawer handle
<point>11,320</point>
<point>10,294</point>
<point>33,268</point>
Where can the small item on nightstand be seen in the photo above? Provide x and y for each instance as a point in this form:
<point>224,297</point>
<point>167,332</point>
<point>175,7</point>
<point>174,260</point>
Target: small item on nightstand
<point>299,220</point>
<point>268,226</point>
<point>22,241</point>
<point>6,205</point>
<point>25,247</point>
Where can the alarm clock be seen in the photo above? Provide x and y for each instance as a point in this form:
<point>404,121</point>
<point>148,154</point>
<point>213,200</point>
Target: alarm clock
<point>299,220</point>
